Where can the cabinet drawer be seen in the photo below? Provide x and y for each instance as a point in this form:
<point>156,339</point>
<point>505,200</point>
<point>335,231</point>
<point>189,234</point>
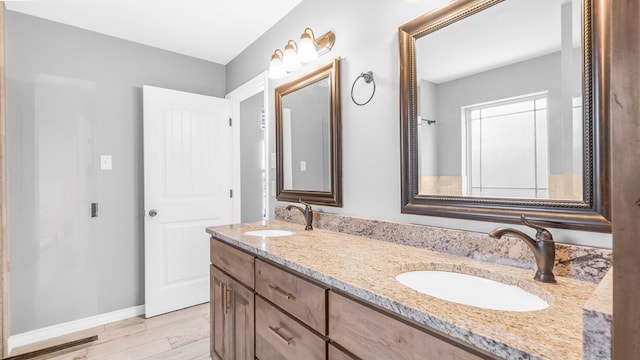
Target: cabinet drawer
<point>280,337</point>
<point>299,297</point>
<point>337,354</point>
<point>370,334</point>
<point>234,262</point>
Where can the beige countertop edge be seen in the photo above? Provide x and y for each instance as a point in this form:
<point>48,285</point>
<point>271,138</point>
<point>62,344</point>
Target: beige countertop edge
<point>366,269</point>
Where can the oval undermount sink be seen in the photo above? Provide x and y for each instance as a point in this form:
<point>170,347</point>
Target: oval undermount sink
<point>269,233</point>
<point>472,290</point>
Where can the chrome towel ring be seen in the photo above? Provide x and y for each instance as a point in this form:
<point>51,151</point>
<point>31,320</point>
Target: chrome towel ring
<point>368,79</point>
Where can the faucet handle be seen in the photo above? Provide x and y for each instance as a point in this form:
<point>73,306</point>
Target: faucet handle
<point>541,233</point>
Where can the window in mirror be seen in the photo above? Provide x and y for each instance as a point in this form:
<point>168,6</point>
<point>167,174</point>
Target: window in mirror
<point>506,135</point>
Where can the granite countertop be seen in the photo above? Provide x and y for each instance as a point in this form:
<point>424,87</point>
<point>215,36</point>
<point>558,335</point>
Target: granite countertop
<point>366,269</point>
<point>598,318</point>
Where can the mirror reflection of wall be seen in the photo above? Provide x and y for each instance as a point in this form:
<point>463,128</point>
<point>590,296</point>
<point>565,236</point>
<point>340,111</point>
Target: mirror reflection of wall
<point>308,145</point>
<point>504,87</point>
<point>306,138</point>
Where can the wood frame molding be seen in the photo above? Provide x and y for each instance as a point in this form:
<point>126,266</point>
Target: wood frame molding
<point>333,197</point>
<point>252,87</point>
<point>4,255</point>
<point>625,168</point>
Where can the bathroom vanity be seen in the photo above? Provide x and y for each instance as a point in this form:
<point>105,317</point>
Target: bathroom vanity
<point>328,295</point>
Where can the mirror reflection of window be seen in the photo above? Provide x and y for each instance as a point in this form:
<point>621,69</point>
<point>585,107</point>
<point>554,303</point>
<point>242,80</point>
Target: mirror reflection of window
<point>507,151</point>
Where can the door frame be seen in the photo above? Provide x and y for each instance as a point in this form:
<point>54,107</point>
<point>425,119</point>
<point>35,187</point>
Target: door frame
<point>248,89</point>
<point>4,251</point>
<point>624,109</point>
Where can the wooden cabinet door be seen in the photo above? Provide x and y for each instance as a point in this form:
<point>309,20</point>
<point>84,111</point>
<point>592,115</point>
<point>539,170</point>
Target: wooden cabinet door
<point>220,320</point>
<point>232,319</point>
<point>242,313</point>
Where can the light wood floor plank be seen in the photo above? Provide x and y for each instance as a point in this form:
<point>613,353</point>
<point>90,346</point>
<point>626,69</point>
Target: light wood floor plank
<point>188,313</point>
<point>122,329</point>
<point>59,340</point>
<point>179,335</point>
<point>193,334</point>
<point>137,352</point>
<point>196,350</point>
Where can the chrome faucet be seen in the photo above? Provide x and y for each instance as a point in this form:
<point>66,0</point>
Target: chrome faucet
<point>307,212</point>
<point>543,247</point>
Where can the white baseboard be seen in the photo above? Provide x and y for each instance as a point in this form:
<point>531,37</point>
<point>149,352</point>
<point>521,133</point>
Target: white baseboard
<point>53,331</point>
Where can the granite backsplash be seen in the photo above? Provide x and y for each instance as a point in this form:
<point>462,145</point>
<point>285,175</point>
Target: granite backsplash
<point>578,262</point>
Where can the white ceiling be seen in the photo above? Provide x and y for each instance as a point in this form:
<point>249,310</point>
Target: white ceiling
<point>213,30</point>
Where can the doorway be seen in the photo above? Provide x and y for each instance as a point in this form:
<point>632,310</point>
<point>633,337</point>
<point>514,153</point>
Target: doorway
<point>250,124</point>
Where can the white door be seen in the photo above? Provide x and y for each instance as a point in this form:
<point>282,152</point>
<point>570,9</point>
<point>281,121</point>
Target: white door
<point>187,183</point>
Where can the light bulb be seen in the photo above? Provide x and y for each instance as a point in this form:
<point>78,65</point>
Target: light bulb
<point>276,70</point>
<point>307,49</point>
<point>290,60</point>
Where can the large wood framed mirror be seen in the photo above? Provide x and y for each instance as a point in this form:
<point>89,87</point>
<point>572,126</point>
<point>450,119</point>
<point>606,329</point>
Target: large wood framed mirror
<point>308,144</point>
<point>504,112</point>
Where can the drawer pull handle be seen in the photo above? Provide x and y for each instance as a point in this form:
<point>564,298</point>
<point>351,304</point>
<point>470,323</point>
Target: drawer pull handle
<point>223,297</point>
<point>279,335</point>
<point>228,295</point>
<point>287,295</point>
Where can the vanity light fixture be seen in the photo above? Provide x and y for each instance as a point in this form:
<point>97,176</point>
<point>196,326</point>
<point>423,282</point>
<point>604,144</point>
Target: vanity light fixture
<point>295,55</point>
<point>311,48</point>
<point>276,69</point>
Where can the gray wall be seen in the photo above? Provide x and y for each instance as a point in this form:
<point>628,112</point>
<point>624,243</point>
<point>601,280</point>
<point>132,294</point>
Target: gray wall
<point>526,77</point>
<point>115,70</point>
<point>251,158</point>
<point>366,34</point>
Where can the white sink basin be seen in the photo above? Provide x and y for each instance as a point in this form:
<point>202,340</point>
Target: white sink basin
<point>472,290</point>
<point>269,233</point>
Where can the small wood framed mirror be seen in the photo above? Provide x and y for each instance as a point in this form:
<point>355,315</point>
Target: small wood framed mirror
<point>308,144</point>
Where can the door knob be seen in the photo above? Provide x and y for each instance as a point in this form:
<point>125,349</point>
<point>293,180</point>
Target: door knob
<point>153,212</point>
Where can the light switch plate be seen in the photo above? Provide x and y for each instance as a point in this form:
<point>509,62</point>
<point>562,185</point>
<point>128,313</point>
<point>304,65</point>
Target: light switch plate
<point>105,162</point>
<point>303,165</point>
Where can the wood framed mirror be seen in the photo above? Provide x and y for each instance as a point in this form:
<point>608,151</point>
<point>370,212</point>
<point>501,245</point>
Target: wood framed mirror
<point>503,112</point>
<point>308,140</point>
